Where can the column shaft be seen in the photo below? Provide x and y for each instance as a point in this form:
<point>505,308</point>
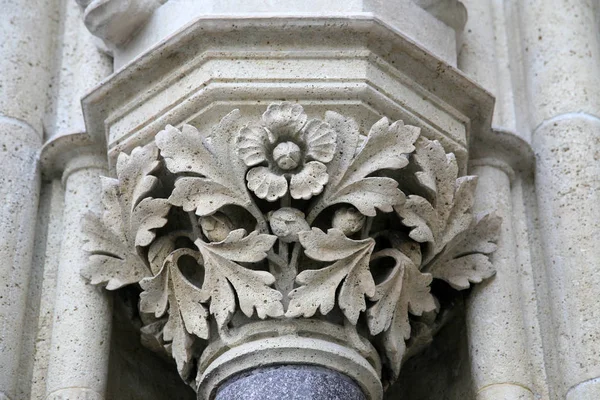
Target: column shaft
<point>26,30</point>
<point>293,382</point>
<point>78,361</point>
<point>497,338</point>
<point>562,60</point>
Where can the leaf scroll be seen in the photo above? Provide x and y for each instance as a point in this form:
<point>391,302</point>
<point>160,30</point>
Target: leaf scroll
<point>386,147</point>
<point>171,285</point>
<point>220,173</point>
<point>181,341</point>
<point>406,290</point>
<point>128,222</point>
<point>225,278</point>
<point>465,260</point>
<point>319,286</point>
<point>447,211</point>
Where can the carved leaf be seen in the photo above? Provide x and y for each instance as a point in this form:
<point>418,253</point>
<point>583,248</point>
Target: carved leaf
<point>189,299</point>
<point>203,196</point>
<point>224,275</point>
<point>465,259</point>
<point>448,211</point>
<point>181,341</point>
<point>386,147</point>
<point>170,284</point>
<point>406,290</point>
<point>211,157</point>
<point>155,297</point>
<point>159,251</point>
<point>147,216</point>
<point>129,221</point>
<point>319,286</point>
<point>134,173</point>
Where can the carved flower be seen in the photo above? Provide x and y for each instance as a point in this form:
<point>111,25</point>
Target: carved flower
<point>284,148</point>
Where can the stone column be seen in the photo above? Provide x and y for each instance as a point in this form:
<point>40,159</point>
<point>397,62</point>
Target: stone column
<point>497,337</point>
<point>79,347</point>
<point>78,361</point>
<point>26,45</point>
<point>500,362</point>
<point>304,381</point>
<point>562,60</point>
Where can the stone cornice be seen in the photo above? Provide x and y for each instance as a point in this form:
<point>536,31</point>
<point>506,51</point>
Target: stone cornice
<point>207,39</point>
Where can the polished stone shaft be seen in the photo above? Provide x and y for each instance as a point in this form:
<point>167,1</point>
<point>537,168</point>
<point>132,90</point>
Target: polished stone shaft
<point>293,382</point>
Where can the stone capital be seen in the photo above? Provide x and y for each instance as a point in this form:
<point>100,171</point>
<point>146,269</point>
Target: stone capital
<point>285,190</point>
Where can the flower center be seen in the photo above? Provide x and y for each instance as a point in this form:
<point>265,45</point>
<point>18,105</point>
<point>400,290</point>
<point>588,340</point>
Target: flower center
<point>287,155</point>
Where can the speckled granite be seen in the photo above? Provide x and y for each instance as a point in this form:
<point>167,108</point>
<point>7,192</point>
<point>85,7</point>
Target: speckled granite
<point>292,383</point>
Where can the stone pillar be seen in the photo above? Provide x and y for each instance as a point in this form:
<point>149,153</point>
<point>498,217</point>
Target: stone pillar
<point>477,57</point>
<point>304,381</point>
<point>485,57</point>
<point>78,361</point>
<point>80,338</point>
<point>500,362</point>
<point>26,52</point>
<point>562,60</point>
<point>82,67</point>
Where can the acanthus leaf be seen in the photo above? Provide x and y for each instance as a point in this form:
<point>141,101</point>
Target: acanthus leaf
<point>213,158</point>
<point>465,259</point>
<point>386,147</point>
<point>446,212</point>
<point>319,286</point>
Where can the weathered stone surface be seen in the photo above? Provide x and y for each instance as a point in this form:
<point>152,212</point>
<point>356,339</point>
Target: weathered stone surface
<point>325,264</point>
<point>265,249</point>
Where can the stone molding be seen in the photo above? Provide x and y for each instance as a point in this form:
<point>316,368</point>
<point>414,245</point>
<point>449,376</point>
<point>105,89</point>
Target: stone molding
<point>359,67</point>
<point>293,221</point>
<point>65,154</point>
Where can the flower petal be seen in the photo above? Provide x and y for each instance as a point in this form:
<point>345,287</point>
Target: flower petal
<point>265,184</point>
<point>284,119</point>
<point>321,140</point>
<point>251,145</point>
<point>310,181</point>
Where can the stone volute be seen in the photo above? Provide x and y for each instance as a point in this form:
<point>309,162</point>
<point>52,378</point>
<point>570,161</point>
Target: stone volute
<point>284,192</point>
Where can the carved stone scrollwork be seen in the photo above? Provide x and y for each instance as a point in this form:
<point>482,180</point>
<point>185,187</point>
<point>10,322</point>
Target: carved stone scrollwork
<point>289,227</point>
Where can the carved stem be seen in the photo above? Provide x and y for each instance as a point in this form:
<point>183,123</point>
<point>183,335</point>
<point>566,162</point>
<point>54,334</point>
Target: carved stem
<point>366,229</point>
<point>314,212</point>
<point>261,223</point>
<point>293,266</point>
<point>286,201</point>
<point>195,227</point>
